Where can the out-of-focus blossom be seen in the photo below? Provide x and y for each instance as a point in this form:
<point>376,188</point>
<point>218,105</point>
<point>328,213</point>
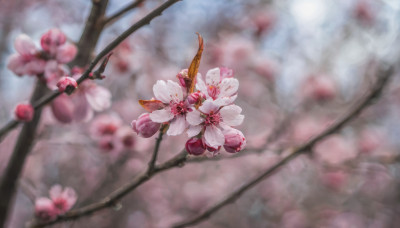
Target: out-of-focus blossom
<point>319,88</point>
<point>335,150</point>
<point>144,126</point>
<point>45,209</point>
<point>63,199</point>
<point>23,112</point>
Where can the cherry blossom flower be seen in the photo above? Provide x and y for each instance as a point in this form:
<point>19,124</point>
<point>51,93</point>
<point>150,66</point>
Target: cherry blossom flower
<point>219,85</point>
<point>171,95</point>
<point>45,209</point>
<point>213,119</point>
<point>63,200</point>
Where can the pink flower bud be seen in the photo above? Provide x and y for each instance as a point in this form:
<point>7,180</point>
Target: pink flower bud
<point>195,146</point>
<point>181,77</point>
<point>144,126</point>
<point>24,112</point>
<point>63,108</point>
<point>67,84</point>
<point>44,209</point>
<point>193,98</point>
<point>52,39</point>
<point>234,141</point>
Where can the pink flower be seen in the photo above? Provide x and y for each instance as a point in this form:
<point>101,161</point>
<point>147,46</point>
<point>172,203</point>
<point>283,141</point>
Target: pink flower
<point>213,119</point>
<point>320,88</point>
<point>23,112</point>
<point>52,39</point>
<point>125,136</point>
<point>66,53</point>
<point>219,85</point>
<point>45,209</point>
<point>66,83</point>
<point>63,200</point>
<point>234,140</point>
<point>195,146</point>
<point>25,62</point>
<point>144,126</point>
<point>104,125</point>
<point>170,93</point>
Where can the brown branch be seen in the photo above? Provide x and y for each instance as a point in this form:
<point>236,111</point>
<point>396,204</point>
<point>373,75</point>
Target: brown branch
<point>112,199</point>
<point>122,11</point>
<point>153,159</point>
<point>144,21</point>
<point>383,75</point>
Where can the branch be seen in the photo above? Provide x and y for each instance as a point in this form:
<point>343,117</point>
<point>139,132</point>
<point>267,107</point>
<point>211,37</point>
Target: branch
<point>111,199</point>
<point>122,11</point>
<point>153,159</point>
<point>383,75</point>
<point>144,21</point>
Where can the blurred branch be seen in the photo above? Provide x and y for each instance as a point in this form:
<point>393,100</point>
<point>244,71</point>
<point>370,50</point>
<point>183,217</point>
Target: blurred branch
<point>122,11</point>
<point>144,21</point>
<point>111,199</point>
<point>383,77</point>
<point>153,159</point>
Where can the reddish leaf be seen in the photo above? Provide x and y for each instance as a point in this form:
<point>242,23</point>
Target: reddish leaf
<point>194,66</point>
<point>151,105</point>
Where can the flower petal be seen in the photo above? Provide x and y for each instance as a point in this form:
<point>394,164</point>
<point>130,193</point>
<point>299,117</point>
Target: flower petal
<point>194,118</point>
<point>66,53</point>
<point>55,191</point>
<point>194,130</point>
<point>228,87</point>
<point>161,116</point>
<point>177,126</point>
<point>98,97</point>
<point>213,77</point>
<point>231,115</point>
<point>208,106</point>
<point>223,101</point>
<point>25,45</point>
<point>213,136</point>
<point>200,85</point>
<point>175,91</point>
<point>161,91</point>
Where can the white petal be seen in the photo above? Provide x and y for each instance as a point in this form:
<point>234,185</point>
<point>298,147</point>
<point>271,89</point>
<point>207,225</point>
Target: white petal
<point>161,116</point>
<point>161,91</point>
<point>194,130</point>
<point>98,97</point>
<point>208,106</point>
<point>214,136</point>
<point>223,101</point>
<point>213,77</point>
<point>200,85</point>
<point>177,126</point>
<point>175,91</point>
<point>194,118</point>
<point>231,115</point>
<point>228,87</point>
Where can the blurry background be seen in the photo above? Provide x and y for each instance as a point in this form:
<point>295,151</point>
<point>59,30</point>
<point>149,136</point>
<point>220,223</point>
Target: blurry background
<point>300,63</point>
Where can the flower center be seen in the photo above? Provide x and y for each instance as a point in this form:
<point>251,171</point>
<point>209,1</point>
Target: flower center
<point>60,204</point>
<point>108,129</point>
<point>213,119</point>
<point>179,108</point>
<point>213,91</point>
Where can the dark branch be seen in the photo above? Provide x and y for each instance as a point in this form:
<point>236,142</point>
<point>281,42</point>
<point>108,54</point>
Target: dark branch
<point>384,75</point>
<point>123,11</point>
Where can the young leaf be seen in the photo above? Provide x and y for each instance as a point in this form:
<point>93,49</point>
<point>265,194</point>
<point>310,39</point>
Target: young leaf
<point>194,66</point>
<point>151,105</point>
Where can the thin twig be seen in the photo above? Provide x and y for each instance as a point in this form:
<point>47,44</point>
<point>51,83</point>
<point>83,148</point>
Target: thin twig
<point>122,11</point>
<point>144,21</point>
<point>383,77</point>
<point>153,159</point>
<point>112,199</point>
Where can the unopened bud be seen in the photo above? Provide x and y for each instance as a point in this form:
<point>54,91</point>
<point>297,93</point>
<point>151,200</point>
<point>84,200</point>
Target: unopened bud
<point>144,126</point>
<point>182,77</point>
<point>194,98</point>
<point>67,84</point>
<point>195,146</point>
<point>24,112</point>
<point>234,141</point>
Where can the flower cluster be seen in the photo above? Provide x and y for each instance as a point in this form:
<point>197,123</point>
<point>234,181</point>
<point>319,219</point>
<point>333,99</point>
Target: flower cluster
<point>48,62</point>
<point>110,134</point>
<point>206,114</point>
<point>60,201</point>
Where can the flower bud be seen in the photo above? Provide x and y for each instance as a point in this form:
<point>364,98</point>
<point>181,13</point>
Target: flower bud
<point>193,98</point>
<point>24,112</point>
<point>234,141</point>
<point>182,77</point>
<point>195,146</point>
<point>67,84</point>
<point>52,39</point>
<point>144,126</point>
